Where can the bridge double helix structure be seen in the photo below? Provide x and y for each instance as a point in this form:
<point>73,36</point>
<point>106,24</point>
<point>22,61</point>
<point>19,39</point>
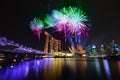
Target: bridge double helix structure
<point>10,50</point>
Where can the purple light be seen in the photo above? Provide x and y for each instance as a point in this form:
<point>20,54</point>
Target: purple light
<point>107,69</point>
<point>36,25</point>
<point>15,47</point>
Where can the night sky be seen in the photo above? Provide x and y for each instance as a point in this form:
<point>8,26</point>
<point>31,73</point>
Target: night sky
<point>16,15</point>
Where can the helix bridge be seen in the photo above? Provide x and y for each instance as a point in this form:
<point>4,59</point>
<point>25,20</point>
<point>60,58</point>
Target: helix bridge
<point>10,50</point>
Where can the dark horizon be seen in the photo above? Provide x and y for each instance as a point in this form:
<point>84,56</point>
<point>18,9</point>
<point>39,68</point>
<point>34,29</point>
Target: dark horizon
<point>16,16</point>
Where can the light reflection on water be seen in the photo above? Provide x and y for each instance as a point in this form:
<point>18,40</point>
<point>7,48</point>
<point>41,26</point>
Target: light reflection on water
<point>107,69</point>
<point>62,69</point>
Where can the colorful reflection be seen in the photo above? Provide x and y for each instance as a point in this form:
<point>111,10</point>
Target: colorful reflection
<point>15,71</point>
<point>107,69</point>
<point>118,66</point>
<point>98,67</point>
<point>61,69</point>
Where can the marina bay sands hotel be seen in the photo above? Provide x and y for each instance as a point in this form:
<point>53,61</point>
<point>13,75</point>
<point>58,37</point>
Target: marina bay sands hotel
<point>51,44</point>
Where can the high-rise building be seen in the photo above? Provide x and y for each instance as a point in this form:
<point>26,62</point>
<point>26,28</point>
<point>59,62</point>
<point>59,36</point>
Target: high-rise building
<point>51,44</point>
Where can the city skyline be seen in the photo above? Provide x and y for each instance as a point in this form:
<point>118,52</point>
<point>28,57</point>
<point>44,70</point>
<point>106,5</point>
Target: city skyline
<point>16,15</point>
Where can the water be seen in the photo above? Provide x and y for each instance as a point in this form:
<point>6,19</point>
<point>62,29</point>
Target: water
<point>62,69</point>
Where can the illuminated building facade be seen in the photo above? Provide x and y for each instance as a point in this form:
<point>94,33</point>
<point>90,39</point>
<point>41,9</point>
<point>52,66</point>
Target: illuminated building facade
<point>55,45</point>
<point>51,44</point>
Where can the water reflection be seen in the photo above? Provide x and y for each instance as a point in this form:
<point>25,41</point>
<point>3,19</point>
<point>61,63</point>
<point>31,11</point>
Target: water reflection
<point>107,69</point>
<point>98,67</point>
<point>15,71</point>
<point>118,66</point>
<point>62,69</point>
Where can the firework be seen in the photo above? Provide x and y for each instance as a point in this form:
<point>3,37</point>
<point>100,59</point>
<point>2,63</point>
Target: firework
<point>75,24</point>
<point>36,26</point>
<point>48,21</point>
<point>60,20</point>
<point>69,20</point>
